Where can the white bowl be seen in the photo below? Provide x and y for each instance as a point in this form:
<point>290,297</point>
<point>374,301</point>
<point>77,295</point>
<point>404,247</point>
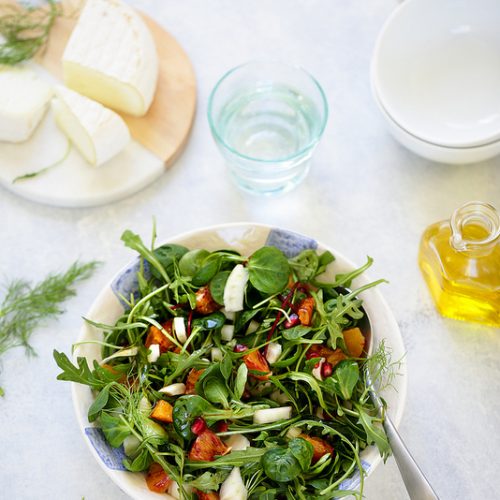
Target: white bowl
<point>246,238</point>
<point>436,68</point>
<point>435,152</point>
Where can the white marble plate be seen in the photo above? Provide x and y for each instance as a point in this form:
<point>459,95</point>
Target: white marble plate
<point>246,238</point>
<point>73,183</point>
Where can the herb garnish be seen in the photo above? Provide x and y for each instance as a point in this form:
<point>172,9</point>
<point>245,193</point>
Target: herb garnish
<point>24,305</point>
<point>286,375</point>
<point>25,30</point>
<point>36,173</point>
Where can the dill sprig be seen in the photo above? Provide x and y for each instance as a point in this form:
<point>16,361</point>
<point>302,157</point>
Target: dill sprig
<point>25,306</point>
<point>36,173</point>
<point>25,30</point>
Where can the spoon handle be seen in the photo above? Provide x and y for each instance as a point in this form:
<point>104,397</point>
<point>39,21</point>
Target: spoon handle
<point>416,483</point>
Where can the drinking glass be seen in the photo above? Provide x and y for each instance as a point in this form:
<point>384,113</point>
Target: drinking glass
<point>267,118</point>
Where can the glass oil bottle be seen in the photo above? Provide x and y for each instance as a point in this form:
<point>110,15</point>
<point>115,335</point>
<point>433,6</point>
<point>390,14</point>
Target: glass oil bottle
<point>460,261</point>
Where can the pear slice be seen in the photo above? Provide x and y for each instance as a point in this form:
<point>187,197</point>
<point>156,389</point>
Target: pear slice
<point>98,133</point>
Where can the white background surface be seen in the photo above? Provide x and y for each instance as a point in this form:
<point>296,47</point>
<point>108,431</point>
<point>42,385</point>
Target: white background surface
<point>365,195</point>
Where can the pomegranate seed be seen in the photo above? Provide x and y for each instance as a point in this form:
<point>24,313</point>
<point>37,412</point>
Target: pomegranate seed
<point>199,425</point>
<point>310,355</point>
<point>326,369</point>
<point>294,320</point>
<point>222,426</point>
<point>240,348</point>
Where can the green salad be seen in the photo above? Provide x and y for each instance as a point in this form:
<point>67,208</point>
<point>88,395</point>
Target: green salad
<point>234,377</point>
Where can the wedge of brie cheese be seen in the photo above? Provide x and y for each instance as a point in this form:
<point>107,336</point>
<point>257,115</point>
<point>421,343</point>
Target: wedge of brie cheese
<point>111,57</point>
<point>96,131</point>
<point>24,98</point>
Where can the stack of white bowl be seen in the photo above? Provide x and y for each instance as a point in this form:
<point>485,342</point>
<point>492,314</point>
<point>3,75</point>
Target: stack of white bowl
<point>436,78</point>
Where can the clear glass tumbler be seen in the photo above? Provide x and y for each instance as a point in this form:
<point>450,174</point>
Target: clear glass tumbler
<point>267,118</point>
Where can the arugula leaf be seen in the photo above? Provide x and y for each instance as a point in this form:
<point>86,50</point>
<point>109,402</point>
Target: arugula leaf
<point>209,481</point>
<point>374,431</point>
<point>325,259</point>
<point>296,332</point>
<point>82,374</point>
<point>344,379</point>
<point>134,242</point>
<point>313,384</point>
<point>305,264</point>
<point>234,459</point>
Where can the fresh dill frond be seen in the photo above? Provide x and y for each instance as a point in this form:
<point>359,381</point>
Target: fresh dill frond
<point>36,173</point>
<point>26,306</point>
<point>382,368</point>
<point>24,30</point>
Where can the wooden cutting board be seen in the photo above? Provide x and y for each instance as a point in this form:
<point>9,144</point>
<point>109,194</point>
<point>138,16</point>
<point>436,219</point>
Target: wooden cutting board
<point>165,128</point>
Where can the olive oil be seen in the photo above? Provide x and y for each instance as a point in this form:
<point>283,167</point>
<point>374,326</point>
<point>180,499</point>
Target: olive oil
<point>460,261</point>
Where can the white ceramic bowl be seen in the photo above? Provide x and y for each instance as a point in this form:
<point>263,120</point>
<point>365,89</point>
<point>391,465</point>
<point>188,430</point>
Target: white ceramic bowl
<point>434,152</point>
<point>246,238</point>
<point>436,68</point>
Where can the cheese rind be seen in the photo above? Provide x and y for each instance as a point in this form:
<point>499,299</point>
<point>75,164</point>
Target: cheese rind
<point>111,57</point>
<point>96,131</point>
<point>24,99</point>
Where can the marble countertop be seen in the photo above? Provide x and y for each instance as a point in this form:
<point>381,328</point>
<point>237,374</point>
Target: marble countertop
<point>365,195</point>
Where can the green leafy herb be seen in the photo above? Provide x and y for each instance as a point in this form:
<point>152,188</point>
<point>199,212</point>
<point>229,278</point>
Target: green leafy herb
<point>186,409</point>
<point>98,378</point>
<point>192,261</point>
<point>303,451</point>
<point>344,379</point>
<point>36,173</point>
<point>217,286</point>
<point>115,429</point>
<point>25,30</point>
<point>26,306</point>
<point>280,465</point>
<point>209,481</point>
<point>268,270</point>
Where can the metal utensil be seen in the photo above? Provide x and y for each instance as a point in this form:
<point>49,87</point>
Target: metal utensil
<point>416,483</point>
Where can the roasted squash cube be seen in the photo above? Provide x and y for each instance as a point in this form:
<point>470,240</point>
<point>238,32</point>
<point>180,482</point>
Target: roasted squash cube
<point>320,446</point>
<point>205,304</point>
<point>156,336</point>
<point>157,479</point>
<point>305,311</point>
<point>256,361</point>
<point>163,412</point>
<point>191,380</point>
<point>354,341</point>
